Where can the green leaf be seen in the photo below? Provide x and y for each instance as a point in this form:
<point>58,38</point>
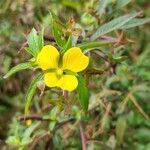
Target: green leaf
<point>122,3</point>
<point>12,140</point>
<point>142,134</point>
<point>135,22</point>
<point>35,42</point>
<point>19,67</point>
<point>67,45</point>
<point>120,129</point>
<point>27,134</point>
<point>69,3</point>
<point>41,39</point>
<point>57,28</point>
<point>30,92</point>
<point>86,47</point>
<point>114,24</point>
<point>102,6</point>
<point>83,93</point>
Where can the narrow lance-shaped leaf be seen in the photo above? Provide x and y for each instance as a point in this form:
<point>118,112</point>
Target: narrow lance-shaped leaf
<point>122,3</point>
<point>120,129</point>
<point>102,6</point>
<point>83,93</point>
<point>41,39</point>
<point>57,27</point>
<point>135,22</point>
<point>30,92</point>
<point>67,45</point>
<point>19,67</point>
<point>113,25</point>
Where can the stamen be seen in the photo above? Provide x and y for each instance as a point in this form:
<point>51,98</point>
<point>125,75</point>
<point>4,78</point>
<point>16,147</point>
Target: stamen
<point>59,72</point>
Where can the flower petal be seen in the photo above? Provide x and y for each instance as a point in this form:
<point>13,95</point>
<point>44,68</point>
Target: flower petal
<point>68,82</point>
<point>50,79</point>
<point>75,60</point>
<point>48,57</point>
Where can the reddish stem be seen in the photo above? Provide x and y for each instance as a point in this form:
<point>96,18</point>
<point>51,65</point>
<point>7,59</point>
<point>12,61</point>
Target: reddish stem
<point>83,138</point>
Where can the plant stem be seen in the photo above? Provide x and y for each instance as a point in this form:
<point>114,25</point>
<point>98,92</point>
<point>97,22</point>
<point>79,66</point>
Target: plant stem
<point>88,46</point>
<point>83,138</point>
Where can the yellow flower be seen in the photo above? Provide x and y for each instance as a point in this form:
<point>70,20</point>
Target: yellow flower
<point>29,122</point>
<point>61,71</point>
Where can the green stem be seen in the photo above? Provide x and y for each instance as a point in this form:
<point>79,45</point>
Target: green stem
<point>86,47</point>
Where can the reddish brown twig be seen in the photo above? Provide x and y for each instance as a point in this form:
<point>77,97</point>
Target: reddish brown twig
<point>83,138</point>
<point>32,117</point>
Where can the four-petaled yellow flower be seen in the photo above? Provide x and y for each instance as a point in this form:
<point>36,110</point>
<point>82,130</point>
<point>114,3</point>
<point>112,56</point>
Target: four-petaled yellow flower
<point>61,71</point>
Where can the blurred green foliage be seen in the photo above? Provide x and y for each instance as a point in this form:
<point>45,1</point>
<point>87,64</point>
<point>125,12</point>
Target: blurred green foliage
<point>119,108</point>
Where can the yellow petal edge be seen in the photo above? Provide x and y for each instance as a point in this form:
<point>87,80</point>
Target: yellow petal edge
<point>50,79</point>
<point>75,60</point>
<point>68,82</point>
<point>48,57</point>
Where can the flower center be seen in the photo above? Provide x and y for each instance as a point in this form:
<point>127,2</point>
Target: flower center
<point>59,72</point>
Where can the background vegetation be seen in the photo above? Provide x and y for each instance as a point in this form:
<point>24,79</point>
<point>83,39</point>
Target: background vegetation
<point>119,109</point>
